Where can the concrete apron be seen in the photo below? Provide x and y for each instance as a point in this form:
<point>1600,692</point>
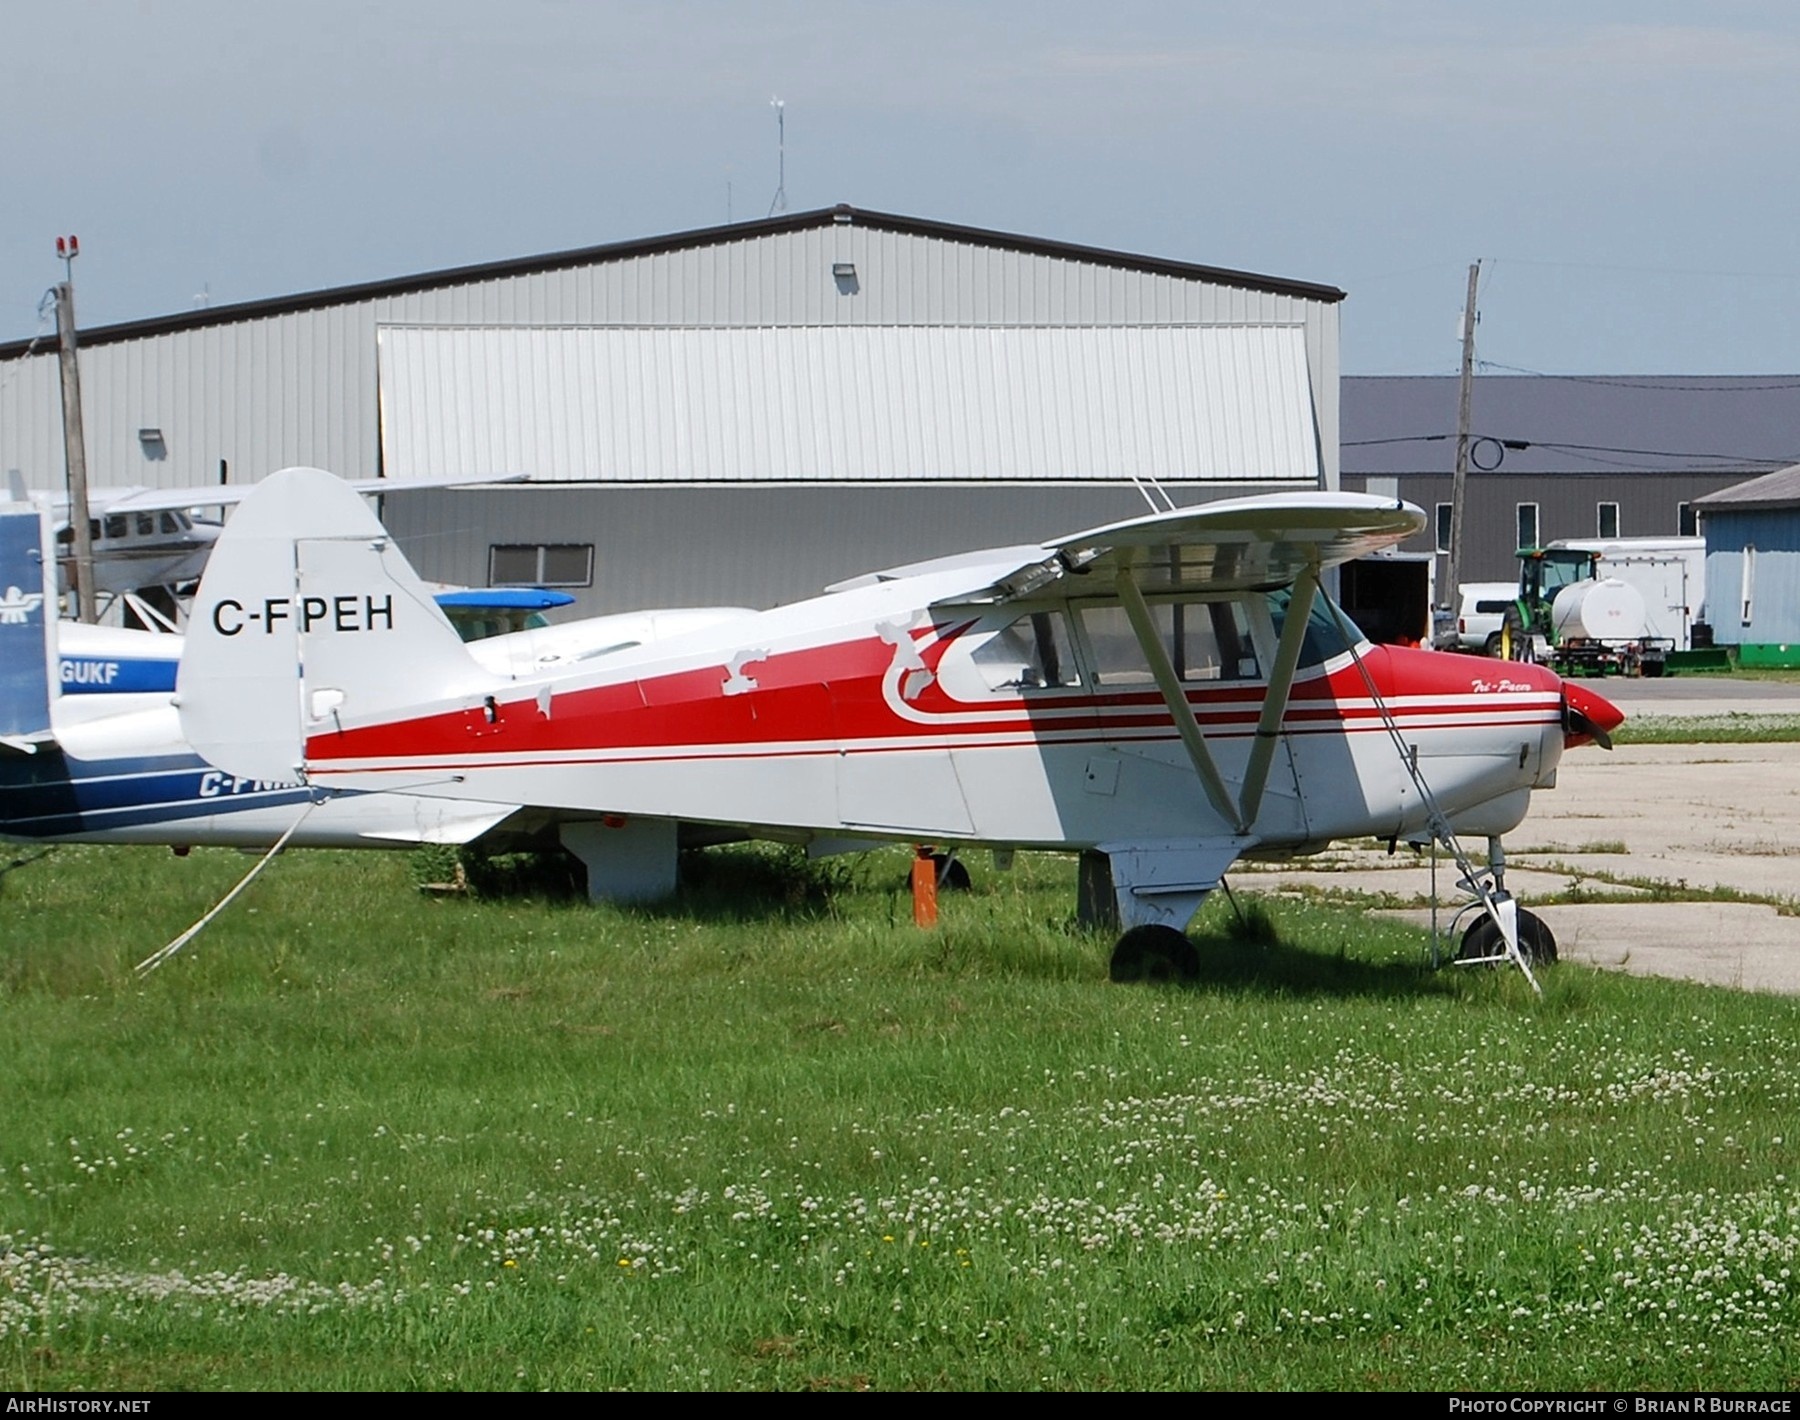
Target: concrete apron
<point>1686,817</point>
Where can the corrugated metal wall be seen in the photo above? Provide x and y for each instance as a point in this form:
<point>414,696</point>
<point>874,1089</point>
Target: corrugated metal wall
<point>884,403</point>
<point>301,387</point>
<point>1649,506</point>
<point>1775,587</point>
<point>257,395</point>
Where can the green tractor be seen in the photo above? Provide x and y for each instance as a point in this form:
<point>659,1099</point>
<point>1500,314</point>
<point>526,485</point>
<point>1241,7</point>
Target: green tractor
<point>1577,621</point>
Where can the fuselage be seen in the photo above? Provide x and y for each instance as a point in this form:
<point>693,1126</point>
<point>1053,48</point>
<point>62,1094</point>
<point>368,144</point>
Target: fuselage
<point>1032,723</point>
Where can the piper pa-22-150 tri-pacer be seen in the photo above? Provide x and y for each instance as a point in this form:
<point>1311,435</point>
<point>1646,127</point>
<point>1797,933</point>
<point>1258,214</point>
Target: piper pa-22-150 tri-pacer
<point>1165,695</point>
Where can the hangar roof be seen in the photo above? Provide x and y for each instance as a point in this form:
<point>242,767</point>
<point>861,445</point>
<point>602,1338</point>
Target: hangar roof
<point>702,237</point>
<point>1780,489</point>
<point>1572,423</point>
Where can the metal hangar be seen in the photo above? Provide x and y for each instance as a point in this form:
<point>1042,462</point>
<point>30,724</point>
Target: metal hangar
<point>740,414</point>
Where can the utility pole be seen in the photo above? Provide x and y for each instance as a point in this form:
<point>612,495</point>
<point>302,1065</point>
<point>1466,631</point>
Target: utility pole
<point>1459,481</point>
<point>74,446</point>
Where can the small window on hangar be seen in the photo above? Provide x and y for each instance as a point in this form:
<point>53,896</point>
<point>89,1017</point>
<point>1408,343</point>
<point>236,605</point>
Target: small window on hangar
<point>541,564</point>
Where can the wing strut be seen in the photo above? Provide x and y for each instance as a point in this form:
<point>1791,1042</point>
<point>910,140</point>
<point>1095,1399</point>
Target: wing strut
<point>1275,703</point>
<point>1268,726</point>
<point>1175,697</point>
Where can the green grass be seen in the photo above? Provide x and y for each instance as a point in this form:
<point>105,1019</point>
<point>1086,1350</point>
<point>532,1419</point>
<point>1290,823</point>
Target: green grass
<point>1731,728</point>
<point>775,1137</point>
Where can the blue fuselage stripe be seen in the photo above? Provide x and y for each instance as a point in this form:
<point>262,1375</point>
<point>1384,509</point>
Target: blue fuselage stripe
<point>48,795</point>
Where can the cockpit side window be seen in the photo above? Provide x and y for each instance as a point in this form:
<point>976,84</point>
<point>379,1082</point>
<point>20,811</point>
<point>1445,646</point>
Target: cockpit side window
<point>1204,641</point>
<point>1031,652</point>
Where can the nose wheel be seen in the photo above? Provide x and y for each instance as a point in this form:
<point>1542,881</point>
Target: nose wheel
<point>1483,942</point>
<point>1154,953</point>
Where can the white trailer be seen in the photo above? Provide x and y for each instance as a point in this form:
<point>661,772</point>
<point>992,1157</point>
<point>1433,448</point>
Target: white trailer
<point>1669,573</point>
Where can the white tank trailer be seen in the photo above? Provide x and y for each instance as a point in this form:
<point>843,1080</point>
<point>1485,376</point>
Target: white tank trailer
<point>1669,575</point>
<point>1609,606</point>
<point>1608,610</point>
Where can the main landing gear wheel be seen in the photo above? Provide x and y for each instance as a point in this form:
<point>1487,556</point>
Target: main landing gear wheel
<point>1154,953</point>
<point>952,874</point>
<point>1537,942</point>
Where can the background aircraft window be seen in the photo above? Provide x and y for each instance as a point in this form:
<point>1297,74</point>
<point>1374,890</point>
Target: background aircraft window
<point>1203,640</point>
<point>1030,653</point>
<point>116,525</point>
<point>146,524</point>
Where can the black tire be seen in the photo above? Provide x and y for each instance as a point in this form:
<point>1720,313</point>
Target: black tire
<point>1536,941</point>
<point>1518,636</point>
<point>1154,953</point>
<point>952,873</point>
<point>1493,647</point>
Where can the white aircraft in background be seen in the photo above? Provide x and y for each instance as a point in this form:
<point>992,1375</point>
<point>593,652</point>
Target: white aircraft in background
<point>91,747</point>
<point>151,537</point>
<point>1164,695</point>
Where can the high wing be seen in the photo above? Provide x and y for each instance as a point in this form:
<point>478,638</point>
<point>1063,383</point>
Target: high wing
<point>1236,545</point>
<point>1239,545</point>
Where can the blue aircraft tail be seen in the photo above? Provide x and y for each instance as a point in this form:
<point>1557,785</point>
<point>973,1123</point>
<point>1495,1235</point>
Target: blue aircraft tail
<point>27,620</point>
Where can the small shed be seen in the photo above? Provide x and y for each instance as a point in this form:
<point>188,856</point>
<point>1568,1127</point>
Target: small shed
<point>1752,533</point>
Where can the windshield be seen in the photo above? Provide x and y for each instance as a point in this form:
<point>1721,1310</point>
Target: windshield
<point>1323,638</point>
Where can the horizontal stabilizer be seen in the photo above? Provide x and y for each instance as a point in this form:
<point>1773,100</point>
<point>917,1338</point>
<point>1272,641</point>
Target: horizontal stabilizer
<point>445,821</point>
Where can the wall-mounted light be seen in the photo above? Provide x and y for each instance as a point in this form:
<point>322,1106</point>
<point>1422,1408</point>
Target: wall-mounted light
<point>150,440</point>
<point>844,273</point>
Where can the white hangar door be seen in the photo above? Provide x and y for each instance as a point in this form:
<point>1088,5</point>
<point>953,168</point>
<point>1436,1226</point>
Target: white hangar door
<point>851,404</point>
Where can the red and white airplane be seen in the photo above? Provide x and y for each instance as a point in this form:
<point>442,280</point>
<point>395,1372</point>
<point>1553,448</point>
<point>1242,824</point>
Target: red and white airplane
<point>1164,695</point>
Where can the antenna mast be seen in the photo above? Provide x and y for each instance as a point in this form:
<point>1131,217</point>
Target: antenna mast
<point>780,202</point>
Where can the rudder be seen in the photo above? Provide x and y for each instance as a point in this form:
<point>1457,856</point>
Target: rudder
<point>27,629</point>
<point>308,616</point>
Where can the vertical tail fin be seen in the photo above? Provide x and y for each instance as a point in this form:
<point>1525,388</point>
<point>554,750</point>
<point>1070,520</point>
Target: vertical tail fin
<point>308,617</point>
<point>27,629</point>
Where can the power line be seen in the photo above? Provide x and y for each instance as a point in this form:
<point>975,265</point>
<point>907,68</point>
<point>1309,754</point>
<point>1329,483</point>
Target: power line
<point>1620,382</point>
<point>1562,446</point>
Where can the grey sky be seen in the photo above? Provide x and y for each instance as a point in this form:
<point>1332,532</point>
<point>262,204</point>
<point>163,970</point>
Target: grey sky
<point>1626,169</point>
